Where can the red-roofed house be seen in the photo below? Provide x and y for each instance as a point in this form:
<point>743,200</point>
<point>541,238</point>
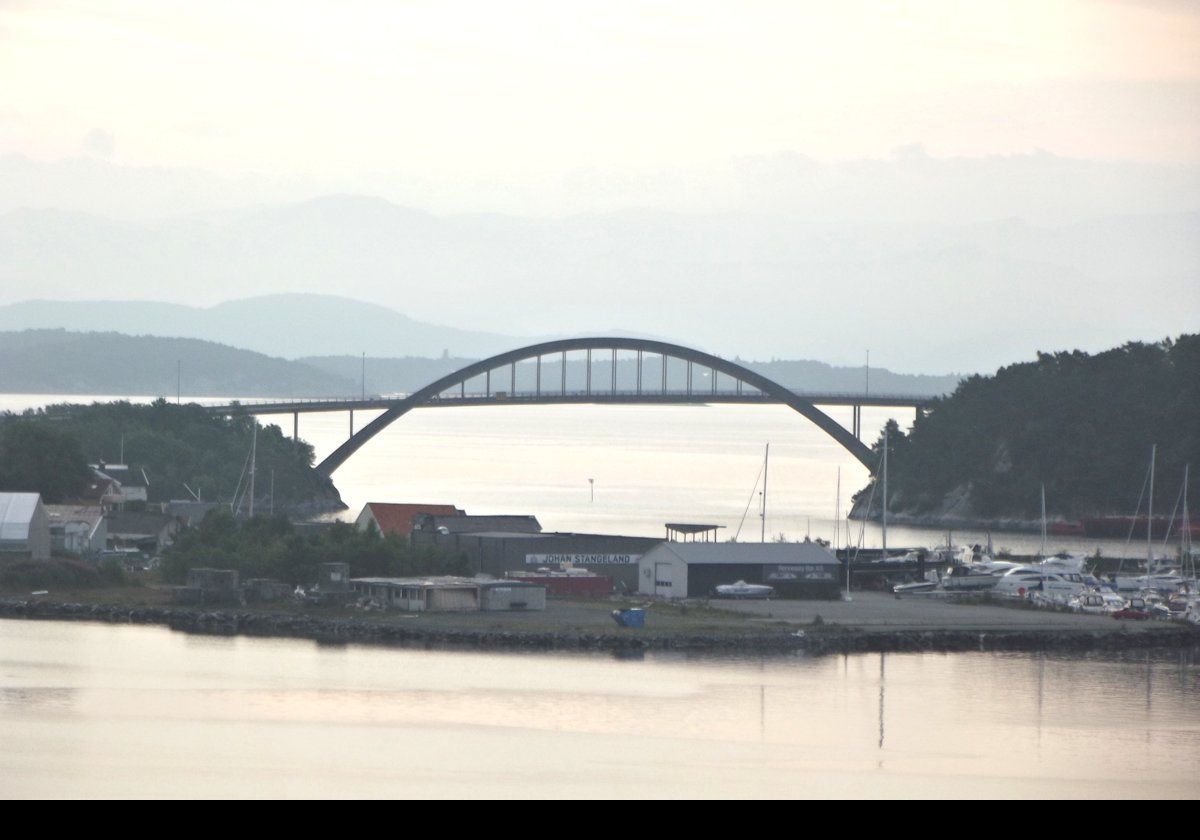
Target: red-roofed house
<point>399,519</point>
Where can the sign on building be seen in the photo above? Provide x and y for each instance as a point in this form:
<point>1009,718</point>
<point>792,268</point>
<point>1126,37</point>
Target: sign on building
<point>582,559</point>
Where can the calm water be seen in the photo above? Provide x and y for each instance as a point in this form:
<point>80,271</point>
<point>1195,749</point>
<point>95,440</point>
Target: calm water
<point>100,710</point>
<point>651,465</point>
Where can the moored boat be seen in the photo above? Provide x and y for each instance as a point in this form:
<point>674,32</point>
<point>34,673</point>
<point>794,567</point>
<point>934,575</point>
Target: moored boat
<point>745,591</point>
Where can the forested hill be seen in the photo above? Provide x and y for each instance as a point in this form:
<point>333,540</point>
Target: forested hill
<point>181,448</point>
<point>1081,424</point>
<point>62,362</point>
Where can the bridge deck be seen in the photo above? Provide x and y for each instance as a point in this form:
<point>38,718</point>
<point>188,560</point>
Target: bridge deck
<point>381,403</point>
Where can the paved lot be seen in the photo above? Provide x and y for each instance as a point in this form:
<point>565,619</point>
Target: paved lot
<point>878,609</point>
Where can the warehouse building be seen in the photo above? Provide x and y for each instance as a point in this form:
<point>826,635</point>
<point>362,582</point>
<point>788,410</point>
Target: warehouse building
<point>694,570</point>
<point>24,526</point>
<point>497,553</point>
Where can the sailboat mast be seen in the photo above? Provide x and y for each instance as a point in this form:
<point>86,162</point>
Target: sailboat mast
<point>1043,550</point>
<point>885,489</point>
<point>1185,532</point>
<point>1150,513</point>
<point>837,512</point>
<point>766,461</point>
<point>253,457</point>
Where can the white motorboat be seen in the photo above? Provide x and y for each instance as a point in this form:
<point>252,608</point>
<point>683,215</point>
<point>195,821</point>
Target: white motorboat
<point>745,591</point>
<point>966,577</point>
<point>1024,581</point>
<point>1165,582</point>
<point>1097,602</point>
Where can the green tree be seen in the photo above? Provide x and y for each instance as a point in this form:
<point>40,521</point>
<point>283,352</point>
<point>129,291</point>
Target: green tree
<point>39,458</point>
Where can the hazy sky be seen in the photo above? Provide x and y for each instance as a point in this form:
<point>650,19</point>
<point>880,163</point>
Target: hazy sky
<point>1022,174</point>
<point>533,90</point>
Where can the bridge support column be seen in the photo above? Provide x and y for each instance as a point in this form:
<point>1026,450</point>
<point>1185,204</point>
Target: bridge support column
<point>352,422</point>
<point>295,427</point>
<point>563,385</point>
<point>856,421</point>
<point>512,387</point>
<point>639,372</point>
<point>664,373</point>
<point>614,372</point>
<point>538,386</point>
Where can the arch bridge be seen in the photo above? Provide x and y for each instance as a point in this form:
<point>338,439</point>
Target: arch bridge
<point>658,373</point>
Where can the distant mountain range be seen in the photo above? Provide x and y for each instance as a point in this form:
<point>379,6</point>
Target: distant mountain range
<point>922,296</point>
<point>61,362</point>
<point>107,363</point>
<point>288,325</point>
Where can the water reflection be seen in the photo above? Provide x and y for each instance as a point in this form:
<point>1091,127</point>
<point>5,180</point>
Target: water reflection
<point>166,714</point>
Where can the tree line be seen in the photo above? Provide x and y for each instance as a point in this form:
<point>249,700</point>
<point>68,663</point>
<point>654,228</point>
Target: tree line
<point>1080,424</point>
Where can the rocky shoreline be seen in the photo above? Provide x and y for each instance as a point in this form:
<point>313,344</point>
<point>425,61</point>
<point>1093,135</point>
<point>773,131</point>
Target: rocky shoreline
<point>815,641</point>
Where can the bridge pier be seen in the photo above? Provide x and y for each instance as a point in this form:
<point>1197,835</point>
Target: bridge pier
<point>639,373</point>
<point>352,422</point>
<point>295,427</point>
<point>856,421</point>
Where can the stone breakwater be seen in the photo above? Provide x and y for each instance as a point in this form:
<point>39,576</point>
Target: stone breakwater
<point>821,640</point>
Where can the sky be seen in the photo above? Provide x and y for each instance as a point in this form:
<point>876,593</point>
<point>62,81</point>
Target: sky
<point>853,114</point>
<point>538,89</point>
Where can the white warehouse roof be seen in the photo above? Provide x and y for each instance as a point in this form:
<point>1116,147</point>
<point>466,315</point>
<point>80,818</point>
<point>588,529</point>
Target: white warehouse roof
<point>16,515</point>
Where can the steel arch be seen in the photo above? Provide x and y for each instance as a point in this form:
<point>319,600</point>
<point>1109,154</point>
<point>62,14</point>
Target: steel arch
<point>674,351</point>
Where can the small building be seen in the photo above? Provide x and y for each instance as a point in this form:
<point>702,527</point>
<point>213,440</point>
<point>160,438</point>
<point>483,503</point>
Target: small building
<point>333,577</point>
<point>146,531</point>
<point>24,526</point>
<point>464,524</point>
<point>81,530</point>
<point>265,590</point>
<point>510,595</point>
<point>451,594</point>
<point>210,586</point>
<point>446,594</point>
<point>189,512</point>
<point>694,569</point>
<point>568,583</point>
<point>399,519</point>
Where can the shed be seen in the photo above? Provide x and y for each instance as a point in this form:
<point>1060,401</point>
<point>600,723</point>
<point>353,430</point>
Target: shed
<point>24,525</point>
<point>506,595</point>
<point>694,570</point>
<point>448,594</point>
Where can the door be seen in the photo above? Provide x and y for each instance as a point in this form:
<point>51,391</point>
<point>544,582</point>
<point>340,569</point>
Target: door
<point>663,578</point>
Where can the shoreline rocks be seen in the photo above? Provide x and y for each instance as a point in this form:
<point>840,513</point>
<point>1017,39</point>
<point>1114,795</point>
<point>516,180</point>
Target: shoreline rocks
<point>814,641</point>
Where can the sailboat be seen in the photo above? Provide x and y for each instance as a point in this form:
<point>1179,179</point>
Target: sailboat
<point>1155,579</point>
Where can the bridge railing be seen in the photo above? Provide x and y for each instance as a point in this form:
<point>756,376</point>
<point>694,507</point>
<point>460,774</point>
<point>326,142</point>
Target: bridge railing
<point>452,395</point>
